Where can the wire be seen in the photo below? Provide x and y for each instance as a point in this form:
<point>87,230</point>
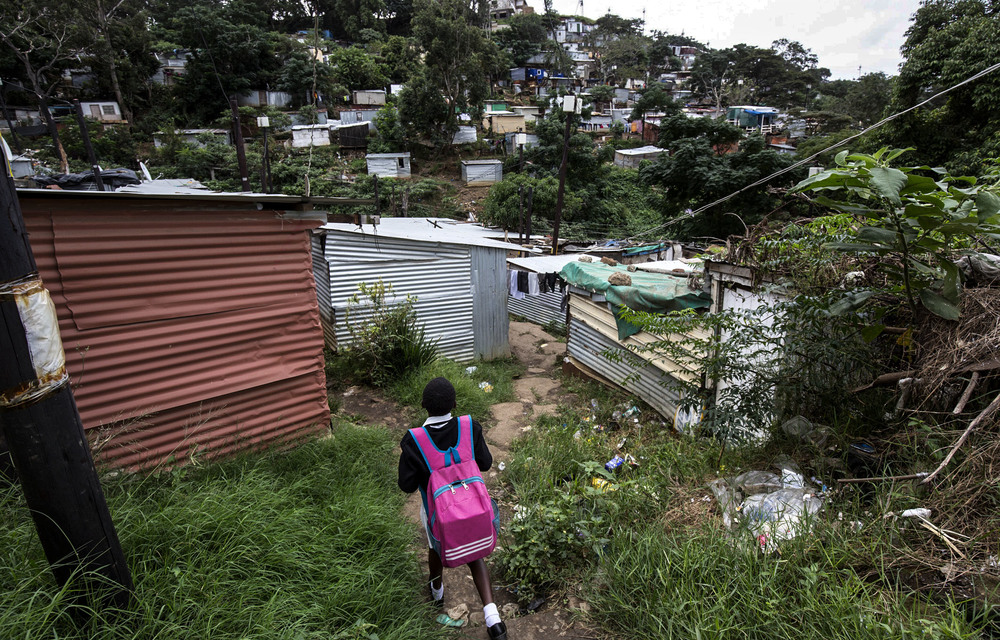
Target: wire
<point>798,164</point>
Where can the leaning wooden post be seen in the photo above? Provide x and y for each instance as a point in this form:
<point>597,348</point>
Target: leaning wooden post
<point>85,136</point>
<point>40,421</point>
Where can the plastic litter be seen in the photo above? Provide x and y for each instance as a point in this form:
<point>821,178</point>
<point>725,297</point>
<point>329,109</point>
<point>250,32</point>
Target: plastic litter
<point>602,485</point>
<point>471,369</point>
<point>916,513</point>
<point>448,621</point>
<point>486,387</point>
<point>769,507</point>
<point>501,466</point>
<point>534,604</point>
<point>614,463</point>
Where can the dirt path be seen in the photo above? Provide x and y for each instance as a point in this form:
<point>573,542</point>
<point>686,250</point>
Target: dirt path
<point>538,393</point>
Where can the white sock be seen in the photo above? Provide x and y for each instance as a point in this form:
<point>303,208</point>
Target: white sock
<point>491,613</point>
<point>437,594</point>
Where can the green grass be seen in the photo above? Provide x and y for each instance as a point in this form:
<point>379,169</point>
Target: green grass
<point>699,583</point>
<point>298,544</point>
<point>470,399</point>
<point>654,565</point>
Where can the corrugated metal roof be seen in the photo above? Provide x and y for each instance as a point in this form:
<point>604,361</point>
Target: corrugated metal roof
<point>641,150</point>
<point>195,325</point>
<point>210,198</point>
<point>424,230</point>
<point>405,154</point>
<point>545,264</point>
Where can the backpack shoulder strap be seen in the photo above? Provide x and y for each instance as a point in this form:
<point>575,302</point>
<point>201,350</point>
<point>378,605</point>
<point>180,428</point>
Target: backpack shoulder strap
<point>465,444</point>
<point>433,457</point>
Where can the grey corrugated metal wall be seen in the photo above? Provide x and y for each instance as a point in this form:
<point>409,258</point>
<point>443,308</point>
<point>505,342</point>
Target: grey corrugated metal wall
<point>321,274</point>
<point>438,275</point>
<point>482,173</point>
<point>646,381</point>
<point>542,309</point>
<point>489,289</point>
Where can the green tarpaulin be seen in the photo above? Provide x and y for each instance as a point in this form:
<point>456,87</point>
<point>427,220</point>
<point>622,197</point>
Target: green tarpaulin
<point>649,292</point>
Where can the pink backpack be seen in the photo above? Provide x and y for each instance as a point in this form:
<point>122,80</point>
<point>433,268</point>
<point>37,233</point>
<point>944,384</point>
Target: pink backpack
<point>460,514</point>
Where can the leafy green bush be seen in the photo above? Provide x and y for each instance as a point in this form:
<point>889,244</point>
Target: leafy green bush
<point>469,398</point>
<point>386,341</point>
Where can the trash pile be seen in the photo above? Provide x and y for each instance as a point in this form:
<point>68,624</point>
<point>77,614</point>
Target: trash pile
<point>770,507</point>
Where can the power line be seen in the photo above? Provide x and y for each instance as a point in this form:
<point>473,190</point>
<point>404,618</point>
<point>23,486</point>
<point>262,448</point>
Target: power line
<point>798,164</point>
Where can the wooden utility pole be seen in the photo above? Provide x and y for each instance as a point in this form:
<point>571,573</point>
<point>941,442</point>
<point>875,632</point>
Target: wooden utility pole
<point>42,427</point>
<point>85,134</point>
<point>570,106</point>
<point>520,214</point>
<point>241,152</point>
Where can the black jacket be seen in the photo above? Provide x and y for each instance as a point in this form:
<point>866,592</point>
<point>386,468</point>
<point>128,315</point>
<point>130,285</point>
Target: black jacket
<point>413,471</point>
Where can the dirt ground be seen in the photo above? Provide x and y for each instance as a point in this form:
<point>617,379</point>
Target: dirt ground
<point>538,392</point>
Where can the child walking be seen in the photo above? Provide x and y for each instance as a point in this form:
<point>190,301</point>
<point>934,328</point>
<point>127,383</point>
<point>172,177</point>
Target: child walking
<point>445,434</point>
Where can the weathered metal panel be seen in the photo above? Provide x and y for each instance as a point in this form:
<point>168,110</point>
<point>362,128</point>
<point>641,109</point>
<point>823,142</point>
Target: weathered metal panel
<point>321,276</point>
<point>587,346</point>
<point>439,276</point>
<point>491,324</point>
<point>178,317</point>
<point>542,309</point>
<point>481,172</point>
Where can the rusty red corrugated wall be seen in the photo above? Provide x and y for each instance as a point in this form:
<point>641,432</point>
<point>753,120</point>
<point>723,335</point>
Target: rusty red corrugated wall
<point>190,327</point>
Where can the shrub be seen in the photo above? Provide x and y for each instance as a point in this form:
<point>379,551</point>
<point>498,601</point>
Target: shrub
<point>386,341</point>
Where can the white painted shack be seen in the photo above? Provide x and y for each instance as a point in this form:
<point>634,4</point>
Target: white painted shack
<point>310,135</point>
<point>389,165</point>
<point>630,158</point>
<point>465,135</point>
<point>530,113</point>
<point>503,121</point>
<point>481,172</point>
<point>458,277</point>
<point>368,97</point>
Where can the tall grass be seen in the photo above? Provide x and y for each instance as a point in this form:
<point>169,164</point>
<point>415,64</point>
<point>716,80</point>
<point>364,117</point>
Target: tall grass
<point>654,562</point>
<point>470,399</point>
<point>300,544</point>
<point>699,583</point>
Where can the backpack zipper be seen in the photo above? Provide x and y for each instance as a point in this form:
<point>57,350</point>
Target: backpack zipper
<point>457,482</point>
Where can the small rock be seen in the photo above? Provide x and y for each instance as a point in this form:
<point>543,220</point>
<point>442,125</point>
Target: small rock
<point>585,259</point>
<point>351,391</point>
<point>611,262</point>
<point>632,268</point>
<point>620,278</point>
<point>509,610</point>
<point>477,619</point>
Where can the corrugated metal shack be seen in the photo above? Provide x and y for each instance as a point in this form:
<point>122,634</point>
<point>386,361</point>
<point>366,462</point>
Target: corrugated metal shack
<point>458,276</point>
<point>368,97</point>
<point>190,322</point>
<point>544,308</point>
<point>353,136</point>
<point>594,332</point>
<point>310,135</point>
<point>389,165</point>
<point>481,172</point>
<point>630,158</point>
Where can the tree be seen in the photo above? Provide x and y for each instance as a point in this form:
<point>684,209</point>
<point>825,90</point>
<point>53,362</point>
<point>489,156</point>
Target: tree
<point>45,39</point>
<point>523,38</point>
<point>423,111</point>
<point>719,134</point>
<point>400,58</point>
<point>459,59</point>
<point>624,58</point>
<point>355,69</point>
<point>653,99</point>
<point>694,174</point>
<point>301,73</point>
<point>390,134</point>
<point>947,42</point>
<point>502,207</point>
<point>602,95</point>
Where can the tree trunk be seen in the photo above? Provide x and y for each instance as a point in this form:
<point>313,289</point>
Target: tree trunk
<point>102,20</point>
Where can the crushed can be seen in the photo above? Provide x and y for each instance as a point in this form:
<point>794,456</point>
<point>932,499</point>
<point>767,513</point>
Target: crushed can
<point>614,463</point>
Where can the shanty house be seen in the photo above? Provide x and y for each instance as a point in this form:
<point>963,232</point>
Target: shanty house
<point>457,275</point>
<point>596,330</point>
<point>189,322</point>
<point>310,135</point>
<point>753,118</point>
<point>353,136</point>
<point>481,172</point>
<point>630,158</point>
<point>389,165</point>
<point>503,121</point>
<point>107,111</point>
<point>264,98</point>
<point>194,137</point>
<point>368,97</point>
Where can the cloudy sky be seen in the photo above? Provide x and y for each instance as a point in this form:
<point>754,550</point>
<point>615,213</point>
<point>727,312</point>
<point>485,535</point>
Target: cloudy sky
<point>844,34</point>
